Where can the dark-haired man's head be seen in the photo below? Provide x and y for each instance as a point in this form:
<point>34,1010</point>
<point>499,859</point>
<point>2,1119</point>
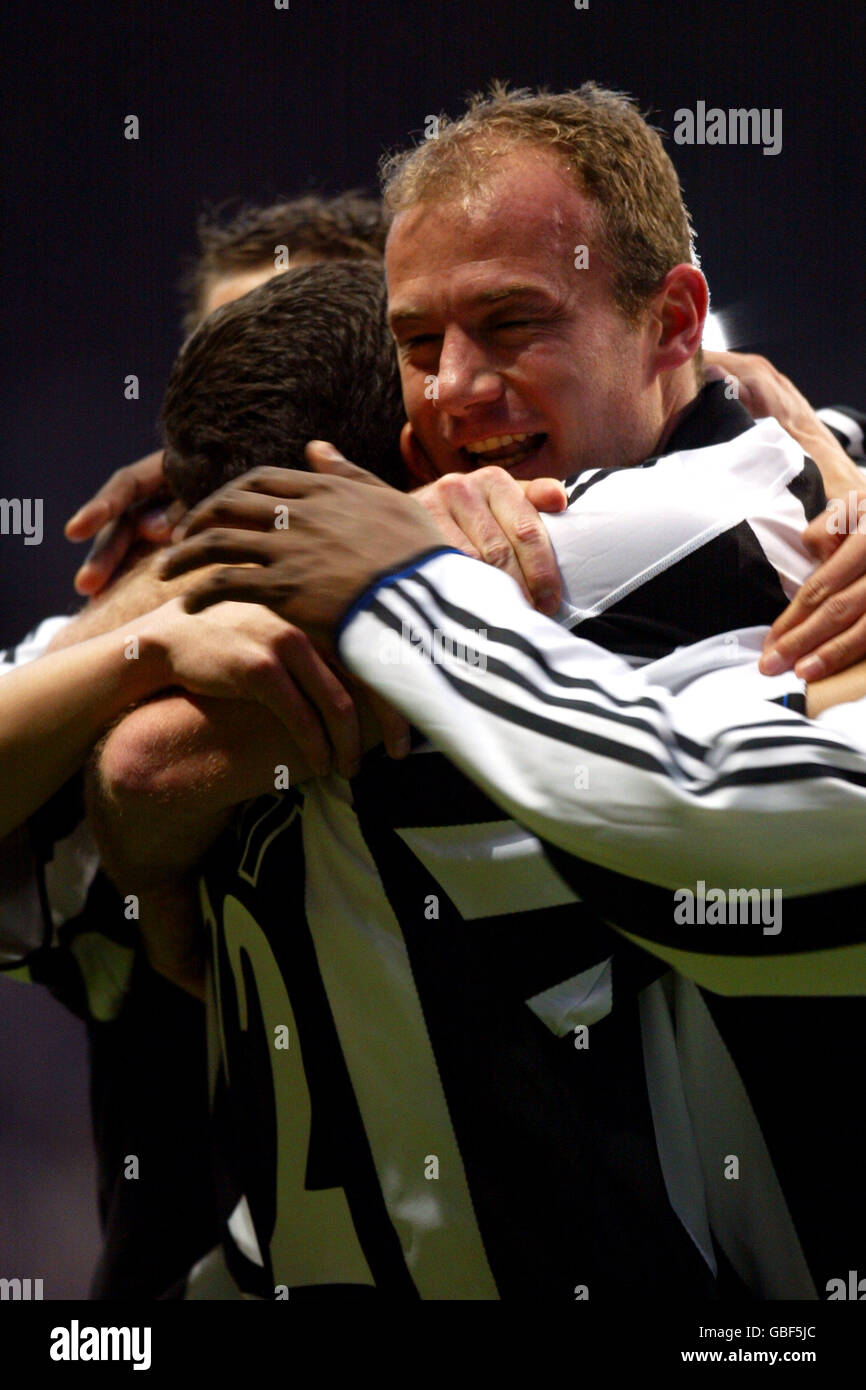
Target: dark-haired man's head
<point>240,252</point>
<point>308,355</point>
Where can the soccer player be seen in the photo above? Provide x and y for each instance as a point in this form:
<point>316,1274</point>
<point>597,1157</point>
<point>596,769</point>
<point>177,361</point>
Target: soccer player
<point>148,1093</point>
<point>324,928</point>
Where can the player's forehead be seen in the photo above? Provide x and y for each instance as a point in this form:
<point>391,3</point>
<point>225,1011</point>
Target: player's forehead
<point>519,225</point>
<point>227,286</point>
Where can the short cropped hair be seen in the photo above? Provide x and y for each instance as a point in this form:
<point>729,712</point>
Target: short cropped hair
<point>350,226</point>
<point>613,155</point>
<point>308,355</point>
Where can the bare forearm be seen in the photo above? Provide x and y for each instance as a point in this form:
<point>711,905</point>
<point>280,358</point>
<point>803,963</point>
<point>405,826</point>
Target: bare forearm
<point>839,473</point>
<point>53,710</point>
<point>163,784</point>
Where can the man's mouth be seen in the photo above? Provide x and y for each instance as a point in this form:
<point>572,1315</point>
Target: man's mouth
<point>507,449</point>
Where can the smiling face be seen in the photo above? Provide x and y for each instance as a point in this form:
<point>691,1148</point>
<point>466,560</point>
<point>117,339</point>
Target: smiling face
<point>508,353</point>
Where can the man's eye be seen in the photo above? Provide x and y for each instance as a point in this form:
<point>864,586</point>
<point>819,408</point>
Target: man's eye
<point>514,323</point>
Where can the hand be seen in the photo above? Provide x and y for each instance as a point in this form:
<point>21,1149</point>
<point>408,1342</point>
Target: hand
<point>491,516</point>
<point>764,391</point>
<point>123,511</point>
<point>237,651</point>
<point>344,528</point>
<point>823,630</point>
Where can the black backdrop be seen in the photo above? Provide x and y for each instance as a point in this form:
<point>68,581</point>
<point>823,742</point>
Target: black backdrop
<point>238,98</point>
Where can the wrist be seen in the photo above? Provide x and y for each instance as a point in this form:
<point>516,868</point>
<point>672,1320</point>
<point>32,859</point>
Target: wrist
<point>152,640</point>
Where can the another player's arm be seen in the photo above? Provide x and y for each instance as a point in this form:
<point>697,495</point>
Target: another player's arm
<point>662,796</point>
<point>162,786</point>
<point>764,390</point>
<point>159,790</point>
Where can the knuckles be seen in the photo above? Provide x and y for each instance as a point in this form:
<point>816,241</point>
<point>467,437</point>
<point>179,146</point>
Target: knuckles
<point>837,607</point>
<point>813,592</point>
<point>496,553</point>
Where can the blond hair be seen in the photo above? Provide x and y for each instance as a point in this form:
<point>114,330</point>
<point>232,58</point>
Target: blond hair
<point>614,156</point>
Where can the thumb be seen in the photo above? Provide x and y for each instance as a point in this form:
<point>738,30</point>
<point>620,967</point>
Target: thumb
<point>819,539</point>
<point>324,458</point>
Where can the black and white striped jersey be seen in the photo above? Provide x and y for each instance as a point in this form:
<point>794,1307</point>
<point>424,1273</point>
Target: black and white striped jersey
<point>498,1095</point>
<point>849,427</point>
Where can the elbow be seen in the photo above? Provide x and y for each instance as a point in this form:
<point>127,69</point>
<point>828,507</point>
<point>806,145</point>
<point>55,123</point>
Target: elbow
<point>150,755</point>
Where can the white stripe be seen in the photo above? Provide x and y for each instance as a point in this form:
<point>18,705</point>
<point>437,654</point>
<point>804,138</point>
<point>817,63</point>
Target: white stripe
<point>675,1140</point>
<point>368,978</point>
<point>749,1214</point>
<point>836,420</point>
<point>489,869</point>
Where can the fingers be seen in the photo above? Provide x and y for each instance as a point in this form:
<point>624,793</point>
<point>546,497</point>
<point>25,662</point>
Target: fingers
<point>324,458</point>
<point>328,698</point>
<point>106,555</point>
<point>469,499</point>
<point>824,620</point>
<point>226,547</point>
<point>127,485</point>
<point>545,494</point>
<point>156,525</point>
<point>396,733</point>
<point>234,584</point>
<point>276,690</point>
<point>818,634</point>
<point>235,506</point>
<point>255,499</point>
<point>486,515</point>
<point>820,539</point>
<point>527,535</point>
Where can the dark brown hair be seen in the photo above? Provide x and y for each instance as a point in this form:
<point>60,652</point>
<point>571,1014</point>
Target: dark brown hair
<point>307,355</point>
<point>350,226</point>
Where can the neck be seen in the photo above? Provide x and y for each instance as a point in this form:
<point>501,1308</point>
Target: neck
<point>679,394</point>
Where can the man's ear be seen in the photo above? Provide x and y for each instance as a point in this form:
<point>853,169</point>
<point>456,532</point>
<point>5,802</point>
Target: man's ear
<point>680,309</point>
<point>420,468</point>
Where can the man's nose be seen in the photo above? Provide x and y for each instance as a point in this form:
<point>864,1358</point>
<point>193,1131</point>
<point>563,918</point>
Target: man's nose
<point>466,377</point>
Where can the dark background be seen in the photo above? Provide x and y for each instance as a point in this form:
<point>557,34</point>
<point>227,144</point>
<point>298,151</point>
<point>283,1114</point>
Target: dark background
<point>237,98</point>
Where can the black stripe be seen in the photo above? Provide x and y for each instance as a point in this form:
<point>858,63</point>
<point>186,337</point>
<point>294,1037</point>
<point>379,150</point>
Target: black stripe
<point>725,583</point>
<point>808,488</point>
<point>699,751</point>
<point>713,419</point>
<point>622,753</point>
<point>813,922</point>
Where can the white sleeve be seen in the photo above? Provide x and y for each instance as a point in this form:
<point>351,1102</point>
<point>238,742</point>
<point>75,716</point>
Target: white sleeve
<point>34,645</point>
<point>666,788</point>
